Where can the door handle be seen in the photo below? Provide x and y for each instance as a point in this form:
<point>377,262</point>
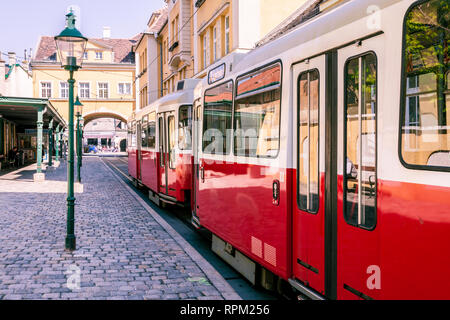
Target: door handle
<point>276,192</point>
<point>202,173</point>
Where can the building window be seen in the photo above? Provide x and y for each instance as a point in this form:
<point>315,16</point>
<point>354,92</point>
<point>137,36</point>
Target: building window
<point>84,90</point>
<point>360,142</point>
<point>46,90</point>
<point>103,90</point>
<point>257,113</point>
<point>217,112</point>
<point>64,90</point>
<point>204,51</point>
<point>308,142</point>
<point>124,88</point>
<point>215,43</point>
<point>227,35</point>
<point>85,55</point>
<point>185,128</point>
<point>98,55</point>
<point>425,136</point>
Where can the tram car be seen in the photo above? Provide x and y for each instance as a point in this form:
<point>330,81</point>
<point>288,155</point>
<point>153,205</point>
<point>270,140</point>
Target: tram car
<point>160,146</point>
<point>322,159</point>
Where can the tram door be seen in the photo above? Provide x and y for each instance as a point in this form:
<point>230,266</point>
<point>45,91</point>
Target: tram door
<point>167,154</point>
<point>308,256</point>
<point>197,133</point>
<point>139,150</point>
<point>358,260</point>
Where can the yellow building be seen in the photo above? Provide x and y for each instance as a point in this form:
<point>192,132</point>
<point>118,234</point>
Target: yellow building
<point>104,84</point>
<point>194,36</point>
<point>224,27</point>
<point>148,87</point>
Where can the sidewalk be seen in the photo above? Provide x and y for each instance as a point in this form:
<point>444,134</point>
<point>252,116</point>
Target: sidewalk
<point>123,250</point>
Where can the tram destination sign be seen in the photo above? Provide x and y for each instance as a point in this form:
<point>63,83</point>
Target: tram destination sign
<point>216,74</point>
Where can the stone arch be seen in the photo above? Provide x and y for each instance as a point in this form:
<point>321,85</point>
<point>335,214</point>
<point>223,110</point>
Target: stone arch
<point>90,116</point>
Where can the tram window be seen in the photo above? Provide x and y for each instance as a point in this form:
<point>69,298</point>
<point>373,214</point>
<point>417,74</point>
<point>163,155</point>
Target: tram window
<point>217,129</point>
<point>161,135</point>
<point>129,135</point>
<point>151,130</point>
<point>308,142</point>
<point>133,134</point>
<point>185,128</point>
<point>257,113</point>
<point>144,125</point>
<point>172,143</point>
<point>360,178</point>
<point>425,131</point>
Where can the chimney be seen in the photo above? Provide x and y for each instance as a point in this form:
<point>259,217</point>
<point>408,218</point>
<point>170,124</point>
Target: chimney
<point>106,33</point>
<point>12,59</point>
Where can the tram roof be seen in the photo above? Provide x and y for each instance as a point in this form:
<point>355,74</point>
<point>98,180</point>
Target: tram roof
<point>177,98</point>
<point>312,29</point>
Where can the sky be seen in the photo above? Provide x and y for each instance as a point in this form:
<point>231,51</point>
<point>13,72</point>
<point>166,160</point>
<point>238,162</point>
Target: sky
<point>23,21</point>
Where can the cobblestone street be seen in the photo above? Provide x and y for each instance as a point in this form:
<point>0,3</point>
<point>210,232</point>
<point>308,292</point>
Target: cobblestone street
<point>123,252</point>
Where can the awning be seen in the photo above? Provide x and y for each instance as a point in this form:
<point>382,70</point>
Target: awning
<point>24,111</point>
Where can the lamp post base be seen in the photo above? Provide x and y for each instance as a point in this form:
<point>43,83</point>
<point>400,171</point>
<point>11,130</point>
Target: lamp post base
<point>70,243</point>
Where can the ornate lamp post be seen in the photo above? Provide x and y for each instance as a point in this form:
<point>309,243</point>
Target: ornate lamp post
<point>71,46</point>
<point>79,108</point>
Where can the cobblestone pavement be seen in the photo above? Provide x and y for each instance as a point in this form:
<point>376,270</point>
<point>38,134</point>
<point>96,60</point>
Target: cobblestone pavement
<point>122,251</point>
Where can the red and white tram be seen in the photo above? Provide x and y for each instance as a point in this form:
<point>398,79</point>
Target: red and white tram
<point>160,146</point>
<point>324,155</point>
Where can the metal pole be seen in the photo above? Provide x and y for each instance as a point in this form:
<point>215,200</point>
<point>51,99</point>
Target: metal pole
<point>39,124</point>
<point>57,142</point>
<point>70,238</point>
<point>78,148</point>
<point>50,143</point>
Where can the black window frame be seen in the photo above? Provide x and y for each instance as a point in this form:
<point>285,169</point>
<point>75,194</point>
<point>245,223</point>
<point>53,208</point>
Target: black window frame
<point>278,61</point>
<point>144,125</point>
<point>403,84</point>
<point>154,131</point>
<point>190,110</point>
<point>344,180</point>
<point>169,150</point>
<point>298,140</point>
<point>230,151</point>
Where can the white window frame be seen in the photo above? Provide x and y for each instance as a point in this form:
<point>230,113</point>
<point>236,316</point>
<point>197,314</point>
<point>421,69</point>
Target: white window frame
<point>124,86</point>
<point>41,88</point>
<point>97,54</point>
<point>204,51</point>
<point>85,55</point>
<point>214,43</point>
<point>61,90</point>
<point>89,90</point>
<point>227,35</point>
<point>98,89</point>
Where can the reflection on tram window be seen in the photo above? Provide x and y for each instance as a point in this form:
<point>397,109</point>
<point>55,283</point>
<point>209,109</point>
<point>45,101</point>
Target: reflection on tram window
<point>257,113</point>
<point>360,179</point>
<point>133,134</point>
<point>172,143</point>
<point>426,120</point>
<point>308,142</point>
<point>184,128</point>
<point>151,130</point>
<point>217,119</point>
<point>144,125</point>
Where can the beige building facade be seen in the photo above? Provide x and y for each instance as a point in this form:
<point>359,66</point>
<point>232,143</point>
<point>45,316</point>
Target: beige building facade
<point>197,35</point>
<point>104,84</point>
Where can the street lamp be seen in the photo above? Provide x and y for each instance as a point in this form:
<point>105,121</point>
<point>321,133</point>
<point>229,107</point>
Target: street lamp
<point>79,109</point>
<point>71,46</point>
